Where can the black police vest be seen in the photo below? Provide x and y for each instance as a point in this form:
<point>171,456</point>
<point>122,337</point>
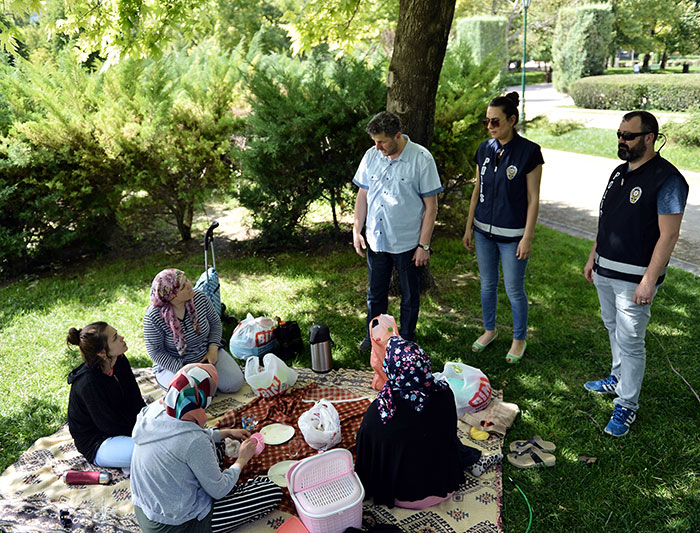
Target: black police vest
<point>628,227</point>
<point>501,210</point>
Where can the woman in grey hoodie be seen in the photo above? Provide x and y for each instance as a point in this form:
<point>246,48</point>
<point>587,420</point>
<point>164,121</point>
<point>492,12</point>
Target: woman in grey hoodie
<point>176,482</point>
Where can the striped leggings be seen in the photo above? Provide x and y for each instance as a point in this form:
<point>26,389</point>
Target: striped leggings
<point>245,503</point>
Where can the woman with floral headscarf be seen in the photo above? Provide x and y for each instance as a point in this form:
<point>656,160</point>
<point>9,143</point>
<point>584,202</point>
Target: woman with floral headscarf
<point>181,326</point>
<point>408,452</point>
<point>176,483</point>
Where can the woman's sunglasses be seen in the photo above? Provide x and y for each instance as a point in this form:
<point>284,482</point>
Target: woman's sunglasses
<point>630,136</point>
<point>495,122</point>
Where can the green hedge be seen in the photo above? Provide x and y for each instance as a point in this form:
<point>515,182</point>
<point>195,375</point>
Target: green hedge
<point>581,43</point>
<point>670,92</point>
<point>486,37</point>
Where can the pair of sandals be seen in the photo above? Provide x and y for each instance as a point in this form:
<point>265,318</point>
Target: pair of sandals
<point>532,453</point>
<point>510,357</point>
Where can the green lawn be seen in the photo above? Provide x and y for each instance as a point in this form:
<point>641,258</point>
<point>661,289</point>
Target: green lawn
<point>645,482</point>
<point>603,142</point>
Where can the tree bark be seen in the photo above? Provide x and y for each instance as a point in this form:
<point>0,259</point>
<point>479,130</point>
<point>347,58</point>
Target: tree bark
<point>664,58</point>
<point>419,50</point>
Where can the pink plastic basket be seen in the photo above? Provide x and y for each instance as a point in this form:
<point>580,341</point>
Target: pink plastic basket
<point>327,492</point>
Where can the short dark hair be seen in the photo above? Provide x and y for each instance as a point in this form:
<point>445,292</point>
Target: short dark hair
<point>649,122</point>
<point>384,122</point>
<point>508,104</point>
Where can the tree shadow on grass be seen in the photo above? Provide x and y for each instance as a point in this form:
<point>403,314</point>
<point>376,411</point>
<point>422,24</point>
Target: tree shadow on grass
<point>37,417</point>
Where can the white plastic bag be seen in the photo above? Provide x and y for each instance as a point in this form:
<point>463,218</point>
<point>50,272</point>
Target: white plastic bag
<point>273,378</point>
<point>471,387</point>
<point>320,425</point>
<point>253,337</point>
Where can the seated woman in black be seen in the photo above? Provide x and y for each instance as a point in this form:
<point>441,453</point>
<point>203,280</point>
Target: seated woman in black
<point>408,452</point>
<point>104,397</point>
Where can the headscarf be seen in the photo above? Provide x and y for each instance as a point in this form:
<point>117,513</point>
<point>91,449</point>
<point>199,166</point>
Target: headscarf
<point>407,368</point>
<point>191,391</point>
<point>165,287</point>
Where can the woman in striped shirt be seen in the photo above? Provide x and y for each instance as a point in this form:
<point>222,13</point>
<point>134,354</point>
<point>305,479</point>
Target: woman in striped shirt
<point>181,326</point>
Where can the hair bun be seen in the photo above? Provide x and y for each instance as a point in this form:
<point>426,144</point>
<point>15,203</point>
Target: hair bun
<point>514,96</point>
<point>73,336</point>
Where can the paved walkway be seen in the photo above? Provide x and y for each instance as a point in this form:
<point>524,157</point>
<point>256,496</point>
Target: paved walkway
<point>573,184</point>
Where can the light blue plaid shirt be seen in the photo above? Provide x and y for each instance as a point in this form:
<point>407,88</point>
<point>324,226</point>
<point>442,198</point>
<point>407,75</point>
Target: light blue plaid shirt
<point>395,192</point>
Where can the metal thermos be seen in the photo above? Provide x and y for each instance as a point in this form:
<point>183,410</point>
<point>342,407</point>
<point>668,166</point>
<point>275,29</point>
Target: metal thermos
<point>86,477</point>
<point>320,343</point>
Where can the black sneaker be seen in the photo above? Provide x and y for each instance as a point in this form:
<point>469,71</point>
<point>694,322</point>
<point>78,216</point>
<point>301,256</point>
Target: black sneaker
<point>366,344</point>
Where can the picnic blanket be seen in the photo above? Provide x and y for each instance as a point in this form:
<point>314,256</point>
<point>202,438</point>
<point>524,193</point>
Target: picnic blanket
<point>32,493</point>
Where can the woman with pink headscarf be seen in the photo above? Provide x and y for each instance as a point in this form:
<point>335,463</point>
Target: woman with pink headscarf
<point>181,326</point>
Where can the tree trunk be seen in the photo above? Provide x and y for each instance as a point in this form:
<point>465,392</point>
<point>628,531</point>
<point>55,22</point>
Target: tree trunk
<point>183,218</point>
<point>419,50</point>
<point>645,64</point>
<point>664,58</point>
<point>334,205</point>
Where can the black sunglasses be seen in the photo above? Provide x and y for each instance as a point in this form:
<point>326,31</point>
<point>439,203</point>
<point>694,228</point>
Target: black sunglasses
<point>494,121</point>
<point>629,136</point>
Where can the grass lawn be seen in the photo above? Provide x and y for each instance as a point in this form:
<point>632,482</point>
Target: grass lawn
<point>646,482</point>
<point>603,142</point>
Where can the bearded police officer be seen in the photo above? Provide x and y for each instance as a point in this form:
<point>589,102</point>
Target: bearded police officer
<point>640,219</point>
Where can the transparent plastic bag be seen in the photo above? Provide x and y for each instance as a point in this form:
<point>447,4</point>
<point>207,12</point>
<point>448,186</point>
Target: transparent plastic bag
<point>470,386</point>
<point>320,425</point>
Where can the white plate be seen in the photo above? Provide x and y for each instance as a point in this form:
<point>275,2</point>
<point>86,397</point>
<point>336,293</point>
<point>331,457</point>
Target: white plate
<point>278,472</point>
<point>277,433</point>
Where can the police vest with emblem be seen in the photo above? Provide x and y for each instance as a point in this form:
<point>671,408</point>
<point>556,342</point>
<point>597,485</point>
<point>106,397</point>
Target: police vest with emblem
<point>628,227</point>
<point>501,209</point>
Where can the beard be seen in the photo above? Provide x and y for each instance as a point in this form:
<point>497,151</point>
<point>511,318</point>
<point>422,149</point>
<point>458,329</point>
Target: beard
<point>628,154</point>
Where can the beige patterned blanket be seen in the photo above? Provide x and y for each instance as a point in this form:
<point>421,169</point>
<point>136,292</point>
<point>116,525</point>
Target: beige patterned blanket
<point>32,493</point>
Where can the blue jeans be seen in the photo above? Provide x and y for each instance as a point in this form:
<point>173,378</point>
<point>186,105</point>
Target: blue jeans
<point>380,265</point>
<point>488,254</point>
<point>626,323</point>
<point>115,452</point>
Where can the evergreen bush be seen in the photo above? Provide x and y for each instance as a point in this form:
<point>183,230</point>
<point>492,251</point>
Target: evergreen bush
<point>305,137</point>
<point>485,37</point>
<point>668,92</point>
<point>687,132</point>
<point>463,95</point>
<point>581,43</point>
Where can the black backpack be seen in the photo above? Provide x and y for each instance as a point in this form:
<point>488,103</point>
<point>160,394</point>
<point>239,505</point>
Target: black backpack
<point>288,337</point>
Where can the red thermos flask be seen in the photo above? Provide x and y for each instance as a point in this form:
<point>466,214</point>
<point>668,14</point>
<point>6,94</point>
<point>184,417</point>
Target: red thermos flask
<point>87,477</point>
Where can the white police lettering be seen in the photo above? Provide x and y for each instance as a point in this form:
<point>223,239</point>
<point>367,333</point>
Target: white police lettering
<point>610,184</point>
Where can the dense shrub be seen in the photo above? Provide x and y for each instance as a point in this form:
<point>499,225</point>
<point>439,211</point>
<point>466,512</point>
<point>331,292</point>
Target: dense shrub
<point>485,37</point>
<point>305,136</point>
<point>581,41</point>
<point>687,132</point>
<point>59,189</point>
<point>557,128</point>
<point>463,95</point>
<point>170,123</point>
<point>81,145</point>
<point>670,92</point>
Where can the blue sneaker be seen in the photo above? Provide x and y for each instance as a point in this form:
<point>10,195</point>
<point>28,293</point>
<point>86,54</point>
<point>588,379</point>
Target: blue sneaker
<point>620,421</point>
<point>602,386</point>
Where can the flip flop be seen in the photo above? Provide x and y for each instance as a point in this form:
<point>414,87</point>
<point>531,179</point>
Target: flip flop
<point>478,347</point>
<point>512,358</point>
<point>531,458</point>
<point>519,446</point>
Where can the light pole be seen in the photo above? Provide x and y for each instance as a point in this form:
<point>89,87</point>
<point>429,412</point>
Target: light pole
<point>526,4</point>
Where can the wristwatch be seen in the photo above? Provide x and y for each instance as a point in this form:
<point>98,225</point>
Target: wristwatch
<point>425,247</point>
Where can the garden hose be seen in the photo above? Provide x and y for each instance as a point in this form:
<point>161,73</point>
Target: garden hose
<point>529,507</point>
